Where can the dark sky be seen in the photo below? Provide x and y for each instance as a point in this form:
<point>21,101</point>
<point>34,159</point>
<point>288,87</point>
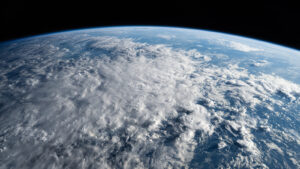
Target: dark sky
<point>277,22</point>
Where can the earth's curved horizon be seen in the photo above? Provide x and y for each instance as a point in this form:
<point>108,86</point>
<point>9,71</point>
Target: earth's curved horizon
<point>148,97</point>
<point>147,26</point>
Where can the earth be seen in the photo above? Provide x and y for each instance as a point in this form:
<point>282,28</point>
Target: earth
<point>148,97</point>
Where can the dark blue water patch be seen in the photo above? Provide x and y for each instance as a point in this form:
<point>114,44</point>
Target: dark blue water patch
<point>203,102</point>
<point>17,72</point>
<point>2,105</point>
<point>181,111</point>
<point>171,131</point>
<point>34,160</point>
<point>208,148</point>
<point>172,128</point>
<point>20,72</point>
<point>273,158</point>
<point>193,76</point>
<point>115,156</point>
<point>11,59</point>
<point>281,118</point>
<point>146,124</point>
<point>282,96</point>
<point>287,117</point>
<point>228,83</point>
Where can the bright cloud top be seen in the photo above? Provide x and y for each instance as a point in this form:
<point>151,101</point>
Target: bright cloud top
<point>137,105</point>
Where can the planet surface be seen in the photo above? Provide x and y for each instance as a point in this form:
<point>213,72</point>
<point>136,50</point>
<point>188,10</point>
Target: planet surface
<point>148,97</point>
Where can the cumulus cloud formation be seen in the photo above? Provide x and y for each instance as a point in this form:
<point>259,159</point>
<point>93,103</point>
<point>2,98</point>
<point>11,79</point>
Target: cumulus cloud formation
<point>125,104</point>
<point>259,63</point>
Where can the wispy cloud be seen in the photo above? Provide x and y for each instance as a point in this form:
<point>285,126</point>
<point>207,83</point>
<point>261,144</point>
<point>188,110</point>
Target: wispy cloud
<point>166,36</point>
<point>238,46</point>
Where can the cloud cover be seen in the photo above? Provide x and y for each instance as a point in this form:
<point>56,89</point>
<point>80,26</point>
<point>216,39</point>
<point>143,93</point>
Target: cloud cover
<point>237,45</point>
<point>134,105</point>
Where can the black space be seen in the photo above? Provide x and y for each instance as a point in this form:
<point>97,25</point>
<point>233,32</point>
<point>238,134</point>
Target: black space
<point>273,21</point>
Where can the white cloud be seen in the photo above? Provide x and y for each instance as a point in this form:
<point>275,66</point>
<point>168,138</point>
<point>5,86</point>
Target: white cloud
<point>132,104</point>
<point>242,47</point>
<point>273,146</point>
<point>238,46</point>
<point>260,63</point>
<point>166,36</point>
